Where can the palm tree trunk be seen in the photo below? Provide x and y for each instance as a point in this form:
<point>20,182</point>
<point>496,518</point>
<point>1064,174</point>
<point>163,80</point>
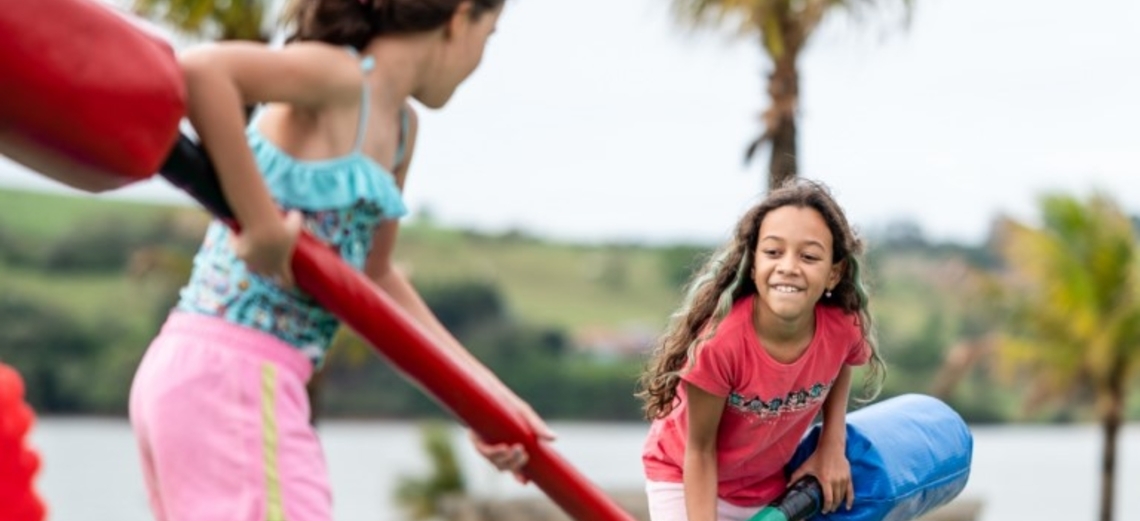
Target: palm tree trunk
<point>784,93</point>
<point>1112,417</point>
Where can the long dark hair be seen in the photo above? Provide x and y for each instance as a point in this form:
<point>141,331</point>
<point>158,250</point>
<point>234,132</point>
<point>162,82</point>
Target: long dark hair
<point>725,278</point>
<point>357,22</point>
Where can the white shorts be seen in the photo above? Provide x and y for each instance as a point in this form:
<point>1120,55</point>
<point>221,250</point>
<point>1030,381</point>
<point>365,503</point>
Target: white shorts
<point>667,503</point>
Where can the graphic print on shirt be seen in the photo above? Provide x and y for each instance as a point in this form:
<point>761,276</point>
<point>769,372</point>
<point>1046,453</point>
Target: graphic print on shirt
<point>772,408</point>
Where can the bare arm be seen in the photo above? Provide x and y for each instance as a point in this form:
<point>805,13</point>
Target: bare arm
<point>829,461</point>
<point>834,434</point>
<point>220,80</point>
<point>700,467</point>
<point>379,268</point>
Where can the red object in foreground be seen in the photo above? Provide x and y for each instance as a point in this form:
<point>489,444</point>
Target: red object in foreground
<point>87,96</point>
<point>18,463</point>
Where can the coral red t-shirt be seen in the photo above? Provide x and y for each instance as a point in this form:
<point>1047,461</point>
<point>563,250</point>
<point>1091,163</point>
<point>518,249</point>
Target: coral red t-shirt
<point>769,407</point>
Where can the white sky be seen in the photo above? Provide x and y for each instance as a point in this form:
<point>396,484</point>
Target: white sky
<point>605,120</point>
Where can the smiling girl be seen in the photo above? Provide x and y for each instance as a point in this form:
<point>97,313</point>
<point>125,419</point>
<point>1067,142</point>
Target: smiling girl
<point>764,341</point>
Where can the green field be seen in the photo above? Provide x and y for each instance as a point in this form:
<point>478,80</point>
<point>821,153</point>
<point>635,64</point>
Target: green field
<point>564,285</point>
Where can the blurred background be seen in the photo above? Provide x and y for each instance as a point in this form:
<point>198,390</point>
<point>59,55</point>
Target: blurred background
<point>986,151</point>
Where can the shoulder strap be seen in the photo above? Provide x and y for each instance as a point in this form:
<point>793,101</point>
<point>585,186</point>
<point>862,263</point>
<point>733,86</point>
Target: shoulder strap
<point>365,65</point>
<point>400,146</point>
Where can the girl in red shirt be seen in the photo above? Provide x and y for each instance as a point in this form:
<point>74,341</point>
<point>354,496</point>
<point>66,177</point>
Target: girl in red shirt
<point>764,341</point>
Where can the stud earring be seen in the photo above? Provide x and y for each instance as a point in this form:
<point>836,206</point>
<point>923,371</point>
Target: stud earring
<point>827,293</point>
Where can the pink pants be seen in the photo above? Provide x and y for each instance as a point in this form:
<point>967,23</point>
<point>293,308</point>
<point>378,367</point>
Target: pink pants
<point>222,422</point>
<point>667,503</point>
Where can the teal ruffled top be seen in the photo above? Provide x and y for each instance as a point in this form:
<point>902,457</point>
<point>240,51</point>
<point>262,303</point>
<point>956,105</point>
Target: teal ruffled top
<point>343,201</point>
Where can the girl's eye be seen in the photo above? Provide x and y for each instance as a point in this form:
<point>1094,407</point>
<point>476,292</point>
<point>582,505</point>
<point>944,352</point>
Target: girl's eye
<point>812,258</point>
<point>771,253</point>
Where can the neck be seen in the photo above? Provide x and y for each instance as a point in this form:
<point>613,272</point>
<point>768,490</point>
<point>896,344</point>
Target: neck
<point>777,332</point>
<point>401,62</point>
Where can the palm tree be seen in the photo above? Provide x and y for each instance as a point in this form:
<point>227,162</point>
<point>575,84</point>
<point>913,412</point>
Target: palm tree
<point>1074,318</point>
<point>211,19</point>
<point>783,28</point>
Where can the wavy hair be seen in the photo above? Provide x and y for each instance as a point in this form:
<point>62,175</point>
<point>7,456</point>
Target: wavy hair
<point>724,279</point>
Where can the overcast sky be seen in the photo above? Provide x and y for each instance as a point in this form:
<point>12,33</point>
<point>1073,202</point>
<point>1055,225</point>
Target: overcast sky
<point>605,120</point>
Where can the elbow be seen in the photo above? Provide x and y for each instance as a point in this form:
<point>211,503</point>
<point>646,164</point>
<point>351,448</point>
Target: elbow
<point>382,273</point>
<point>197,63</point>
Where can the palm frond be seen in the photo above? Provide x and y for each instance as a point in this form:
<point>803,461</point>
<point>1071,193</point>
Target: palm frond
<point>1074,294</point>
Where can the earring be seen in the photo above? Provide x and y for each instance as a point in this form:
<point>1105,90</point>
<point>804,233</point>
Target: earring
<point>827,293</point>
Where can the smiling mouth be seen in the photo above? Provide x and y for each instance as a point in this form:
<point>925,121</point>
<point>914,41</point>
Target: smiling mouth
<point>784,288</point>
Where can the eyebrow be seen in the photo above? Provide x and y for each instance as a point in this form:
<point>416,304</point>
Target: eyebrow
<point>781,239</point>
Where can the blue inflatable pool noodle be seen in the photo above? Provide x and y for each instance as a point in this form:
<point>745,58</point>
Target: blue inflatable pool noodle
<point>909,455</point>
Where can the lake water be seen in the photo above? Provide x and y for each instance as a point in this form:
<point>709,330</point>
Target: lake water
<point>1031,473</point>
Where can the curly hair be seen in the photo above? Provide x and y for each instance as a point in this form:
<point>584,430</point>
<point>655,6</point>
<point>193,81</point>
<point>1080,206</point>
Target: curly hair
<point>357,22</point>
<point>724,279</point>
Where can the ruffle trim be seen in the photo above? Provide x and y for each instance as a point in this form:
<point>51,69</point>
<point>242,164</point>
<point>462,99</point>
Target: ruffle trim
<point>344,181</point>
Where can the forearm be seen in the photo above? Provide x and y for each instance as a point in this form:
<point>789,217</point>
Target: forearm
<point>214,108</point>
<point>700,485</point>
<point>397,286</point>
<point>834,431</point>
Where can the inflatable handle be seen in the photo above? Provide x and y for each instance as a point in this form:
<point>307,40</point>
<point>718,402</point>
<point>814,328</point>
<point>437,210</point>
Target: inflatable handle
<point>798,502</point>
<point>352,297</point>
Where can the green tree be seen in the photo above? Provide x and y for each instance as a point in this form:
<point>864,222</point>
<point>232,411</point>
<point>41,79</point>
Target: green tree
<point>210,19</point>
<point>1074,325</point>
<point>783,28</point>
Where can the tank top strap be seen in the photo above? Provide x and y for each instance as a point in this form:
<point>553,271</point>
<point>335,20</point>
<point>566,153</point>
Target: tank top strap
<point>401,144</point>
<point>366,65</point>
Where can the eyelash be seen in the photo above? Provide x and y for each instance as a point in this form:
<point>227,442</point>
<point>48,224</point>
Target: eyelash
<point>775,253</point>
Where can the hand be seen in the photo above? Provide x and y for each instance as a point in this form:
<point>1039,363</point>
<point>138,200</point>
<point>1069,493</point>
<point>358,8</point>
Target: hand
<point>267,250</point>
<point>833,471</point>
<point>505,457</point>
<point>513,457</point>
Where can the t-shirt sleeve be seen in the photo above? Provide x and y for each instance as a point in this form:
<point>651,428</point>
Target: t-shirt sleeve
<point>860,351</point>
<point>713,370</point>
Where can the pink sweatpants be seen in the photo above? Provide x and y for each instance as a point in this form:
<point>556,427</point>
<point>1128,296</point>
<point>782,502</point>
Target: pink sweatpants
<point>222,422</point>
<point>667,503</point>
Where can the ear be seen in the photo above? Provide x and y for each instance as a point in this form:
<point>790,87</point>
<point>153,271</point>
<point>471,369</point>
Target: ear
<point>836,274</point>
<point>460,20</point>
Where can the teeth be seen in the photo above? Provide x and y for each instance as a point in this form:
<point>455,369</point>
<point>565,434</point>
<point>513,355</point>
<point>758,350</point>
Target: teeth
<point>786,289</point>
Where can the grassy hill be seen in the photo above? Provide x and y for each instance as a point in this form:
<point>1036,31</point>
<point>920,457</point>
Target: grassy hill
<point>571,286</point>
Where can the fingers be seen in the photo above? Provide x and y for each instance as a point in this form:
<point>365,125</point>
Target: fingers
<point>796,476</point>
<point>505,457</point>
<point>850,494</point>
<point>508,457</point>
<point>837,493</point>
<point>828,499</point>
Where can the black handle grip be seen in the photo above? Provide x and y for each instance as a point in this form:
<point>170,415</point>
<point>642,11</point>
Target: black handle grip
<point>800,501</point>
<point>189,168</point>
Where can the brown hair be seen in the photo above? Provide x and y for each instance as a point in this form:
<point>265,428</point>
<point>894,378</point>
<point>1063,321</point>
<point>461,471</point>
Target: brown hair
<point>725,278</point>
<point>357,22</point>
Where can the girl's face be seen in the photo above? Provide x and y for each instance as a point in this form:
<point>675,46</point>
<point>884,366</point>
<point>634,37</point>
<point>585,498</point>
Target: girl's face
<point>793,266</point>
<point>464,39</point>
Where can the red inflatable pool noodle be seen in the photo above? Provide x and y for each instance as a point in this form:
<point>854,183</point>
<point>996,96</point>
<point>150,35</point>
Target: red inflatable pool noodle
<point>58,55</point>
<point>18,463</point>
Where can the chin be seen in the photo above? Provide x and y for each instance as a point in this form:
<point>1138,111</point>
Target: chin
<point>433,101</point>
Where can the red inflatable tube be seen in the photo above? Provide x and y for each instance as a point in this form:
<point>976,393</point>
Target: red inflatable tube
<point>18,463</point>
<point>87,97</point>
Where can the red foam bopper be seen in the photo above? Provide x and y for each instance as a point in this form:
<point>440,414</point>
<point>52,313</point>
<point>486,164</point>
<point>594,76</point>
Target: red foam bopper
<point>18,463</point>
<point>88,88</point>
